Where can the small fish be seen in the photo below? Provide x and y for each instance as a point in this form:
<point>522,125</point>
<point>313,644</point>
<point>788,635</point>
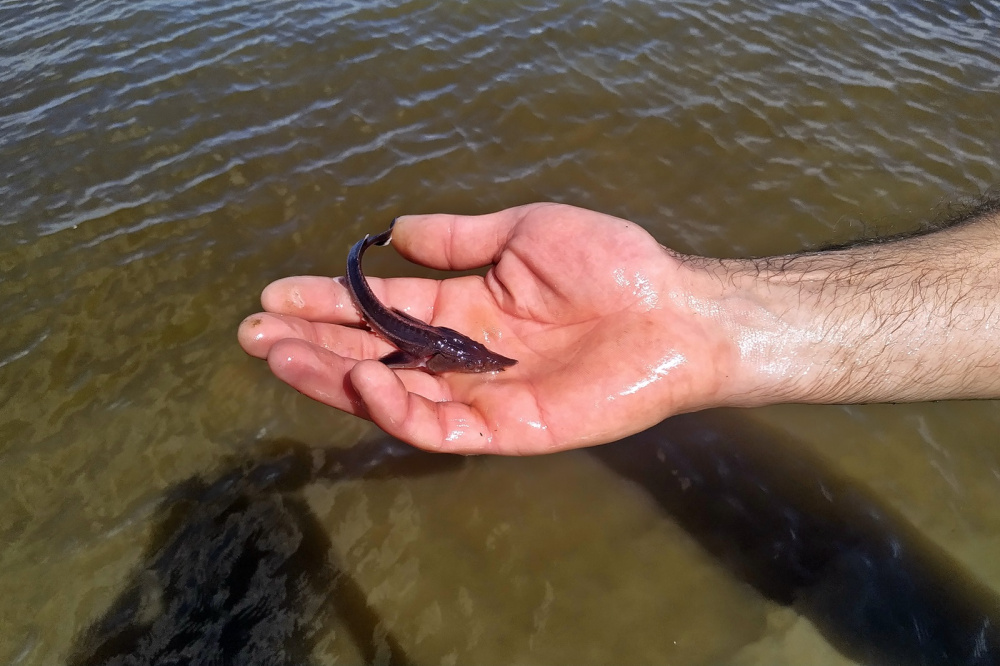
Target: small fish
<point>436,348</point>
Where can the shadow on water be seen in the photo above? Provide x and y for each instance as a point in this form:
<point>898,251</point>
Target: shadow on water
<point>241,572</point>
<point>802,535</point>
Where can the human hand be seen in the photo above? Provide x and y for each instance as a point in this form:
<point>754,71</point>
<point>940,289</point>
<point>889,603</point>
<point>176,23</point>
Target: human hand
<point>611,331</point>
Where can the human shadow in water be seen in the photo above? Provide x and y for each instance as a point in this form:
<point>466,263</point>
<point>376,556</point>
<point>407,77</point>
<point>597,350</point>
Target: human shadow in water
<point>781,519</point>
<point>240,571</point>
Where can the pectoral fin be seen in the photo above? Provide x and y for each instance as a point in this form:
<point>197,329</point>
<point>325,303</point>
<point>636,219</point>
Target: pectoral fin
<point>402,359</point>
<point>441,363</point>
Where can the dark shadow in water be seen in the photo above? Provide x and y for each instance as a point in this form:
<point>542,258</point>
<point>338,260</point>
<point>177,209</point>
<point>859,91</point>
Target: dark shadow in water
<point>240,570</point>
<point>783,521</point>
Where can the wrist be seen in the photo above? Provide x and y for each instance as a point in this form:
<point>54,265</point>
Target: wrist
<point>791,332</point>
<point>915,319</point>
<point>754,306</point>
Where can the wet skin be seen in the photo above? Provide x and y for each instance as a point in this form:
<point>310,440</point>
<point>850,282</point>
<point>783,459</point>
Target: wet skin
<point>420,345</point>
<point>599,316</point>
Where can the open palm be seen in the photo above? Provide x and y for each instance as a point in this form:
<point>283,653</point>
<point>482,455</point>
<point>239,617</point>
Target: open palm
<point>610,331</point>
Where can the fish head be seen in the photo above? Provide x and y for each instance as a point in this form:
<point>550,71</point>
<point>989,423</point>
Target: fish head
<point>457,353</point>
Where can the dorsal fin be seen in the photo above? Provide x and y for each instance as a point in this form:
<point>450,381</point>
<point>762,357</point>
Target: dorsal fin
<point>410,317</point>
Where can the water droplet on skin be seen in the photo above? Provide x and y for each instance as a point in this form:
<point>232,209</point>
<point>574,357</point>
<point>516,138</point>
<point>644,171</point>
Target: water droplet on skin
<point>458,431</point>
<point>645,292</point>
<point>661,369</point>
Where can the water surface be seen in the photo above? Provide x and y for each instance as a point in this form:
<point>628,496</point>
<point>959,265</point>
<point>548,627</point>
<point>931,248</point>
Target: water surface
<point>164,162</point>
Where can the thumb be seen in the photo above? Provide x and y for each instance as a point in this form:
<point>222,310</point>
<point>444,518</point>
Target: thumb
<point>456,242</point>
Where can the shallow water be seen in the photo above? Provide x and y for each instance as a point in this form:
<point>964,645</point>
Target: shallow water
<point>164,162</point>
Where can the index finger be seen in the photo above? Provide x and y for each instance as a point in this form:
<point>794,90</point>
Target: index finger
<point>323,299</point>
<point>456,242</point>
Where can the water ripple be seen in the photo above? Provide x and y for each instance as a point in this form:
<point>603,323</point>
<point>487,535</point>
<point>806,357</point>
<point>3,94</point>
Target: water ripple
<point>164,160</point>
<point>121,65</point>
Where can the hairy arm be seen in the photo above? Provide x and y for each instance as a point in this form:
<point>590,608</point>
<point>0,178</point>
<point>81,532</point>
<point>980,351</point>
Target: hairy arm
<point>903,320</point>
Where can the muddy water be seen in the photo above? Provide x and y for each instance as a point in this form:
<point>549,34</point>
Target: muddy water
<point>163,162</point>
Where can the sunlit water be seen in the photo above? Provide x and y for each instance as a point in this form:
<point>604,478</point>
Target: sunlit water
<point>164,161</point>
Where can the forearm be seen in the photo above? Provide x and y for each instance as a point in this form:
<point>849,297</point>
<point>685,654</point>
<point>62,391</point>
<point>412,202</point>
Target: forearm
<point>906,320</point>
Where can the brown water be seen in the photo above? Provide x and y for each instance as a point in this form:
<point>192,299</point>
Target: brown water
<point>164,161</point>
